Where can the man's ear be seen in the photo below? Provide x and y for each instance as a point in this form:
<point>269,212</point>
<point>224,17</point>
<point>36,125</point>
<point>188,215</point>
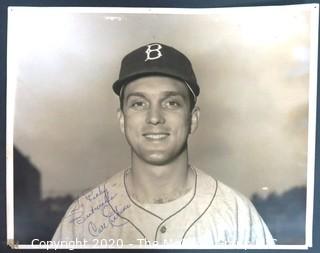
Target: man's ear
<point>121,119</point>
<point>195,116</point>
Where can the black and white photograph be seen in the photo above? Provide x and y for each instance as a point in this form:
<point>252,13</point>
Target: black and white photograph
<point>161,128</point>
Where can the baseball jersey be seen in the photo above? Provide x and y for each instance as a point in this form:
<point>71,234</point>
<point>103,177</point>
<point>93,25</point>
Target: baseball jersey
<point>209,214</point>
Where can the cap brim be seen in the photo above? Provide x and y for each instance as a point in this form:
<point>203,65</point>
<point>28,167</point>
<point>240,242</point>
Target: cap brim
<point>124,81</point>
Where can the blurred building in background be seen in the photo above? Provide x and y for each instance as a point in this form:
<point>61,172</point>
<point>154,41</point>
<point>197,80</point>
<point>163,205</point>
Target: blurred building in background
<point>34,217</point>
<point>37,218</point>
<point>27,198</point>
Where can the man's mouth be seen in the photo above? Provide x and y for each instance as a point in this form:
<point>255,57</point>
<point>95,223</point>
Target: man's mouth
<point>156,136</point>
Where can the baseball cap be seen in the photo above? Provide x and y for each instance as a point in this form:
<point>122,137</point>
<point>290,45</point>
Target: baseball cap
<point>156,59</point>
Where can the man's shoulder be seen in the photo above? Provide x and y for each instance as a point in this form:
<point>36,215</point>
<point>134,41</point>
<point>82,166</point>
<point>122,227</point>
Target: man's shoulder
<point>105,190</point>
<point>93,207</point>
<point>223,192</point>
<point>228,191</point>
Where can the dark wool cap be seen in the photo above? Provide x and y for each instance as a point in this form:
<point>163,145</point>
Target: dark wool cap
<point>156,59</point>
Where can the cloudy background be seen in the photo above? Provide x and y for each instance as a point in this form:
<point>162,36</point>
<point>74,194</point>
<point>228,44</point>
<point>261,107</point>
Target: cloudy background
<point>252,65</point>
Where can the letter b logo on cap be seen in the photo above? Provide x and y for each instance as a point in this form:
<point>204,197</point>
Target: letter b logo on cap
<point>153,52</point>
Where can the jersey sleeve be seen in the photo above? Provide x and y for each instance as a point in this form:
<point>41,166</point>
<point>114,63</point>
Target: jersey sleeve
<point>257,232</point>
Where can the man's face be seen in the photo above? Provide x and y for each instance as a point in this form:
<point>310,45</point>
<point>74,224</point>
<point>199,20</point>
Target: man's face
<point>156,118</point>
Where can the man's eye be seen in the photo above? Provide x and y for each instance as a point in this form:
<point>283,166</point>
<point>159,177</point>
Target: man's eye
<point>138,105</point>
<point>172,104</point>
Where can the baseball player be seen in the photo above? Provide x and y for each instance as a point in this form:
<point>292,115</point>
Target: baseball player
<point>161,199</point>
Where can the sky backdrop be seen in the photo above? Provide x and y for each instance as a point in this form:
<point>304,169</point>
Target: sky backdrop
<point>252,65</point>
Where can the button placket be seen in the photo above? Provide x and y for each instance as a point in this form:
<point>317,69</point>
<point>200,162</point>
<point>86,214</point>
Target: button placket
<point>162,234</point>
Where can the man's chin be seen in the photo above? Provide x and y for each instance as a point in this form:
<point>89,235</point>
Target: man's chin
<point>157,159</point>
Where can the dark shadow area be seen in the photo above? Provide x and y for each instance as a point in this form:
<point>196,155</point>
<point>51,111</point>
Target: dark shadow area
<point>37,218</point>
<point>34,218</point>
<point>26,198</point>
<point>285,215</point>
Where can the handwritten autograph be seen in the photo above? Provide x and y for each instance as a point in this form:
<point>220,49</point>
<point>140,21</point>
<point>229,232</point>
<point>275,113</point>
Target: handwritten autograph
<point>112,216</point>
<point>92,195</point>
<point>79,215</point>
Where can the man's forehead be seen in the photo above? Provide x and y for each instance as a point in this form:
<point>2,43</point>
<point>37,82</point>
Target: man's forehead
<point>160,85</point>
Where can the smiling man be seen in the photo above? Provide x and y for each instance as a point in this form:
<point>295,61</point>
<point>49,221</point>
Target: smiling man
<point>161,199</point>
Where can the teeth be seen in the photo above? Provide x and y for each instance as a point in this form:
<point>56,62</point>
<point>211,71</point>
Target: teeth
<point>155,136</point>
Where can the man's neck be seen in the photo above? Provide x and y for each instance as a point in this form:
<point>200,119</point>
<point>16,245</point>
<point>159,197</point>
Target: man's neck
<point>159,184</point>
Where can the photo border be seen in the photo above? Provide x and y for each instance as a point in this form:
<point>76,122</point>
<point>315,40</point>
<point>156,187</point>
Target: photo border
<point>312,141</point>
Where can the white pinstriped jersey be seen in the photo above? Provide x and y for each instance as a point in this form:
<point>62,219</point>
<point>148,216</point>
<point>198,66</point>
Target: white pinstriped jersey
<point>210,214</point>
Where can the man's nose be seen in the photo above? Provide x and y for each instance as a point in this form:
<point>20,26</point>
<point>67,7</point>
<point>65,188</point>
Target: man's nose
<point>155,116</point>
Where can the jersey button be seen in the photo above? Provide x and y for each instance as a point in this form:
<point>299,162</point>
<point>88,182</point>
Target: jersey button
<point>163,229</point>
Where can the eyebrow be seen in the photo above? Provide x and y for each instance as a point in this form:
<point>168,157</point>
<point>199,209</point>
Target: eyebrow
<point>165,94</point>
<point>135,94</point>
